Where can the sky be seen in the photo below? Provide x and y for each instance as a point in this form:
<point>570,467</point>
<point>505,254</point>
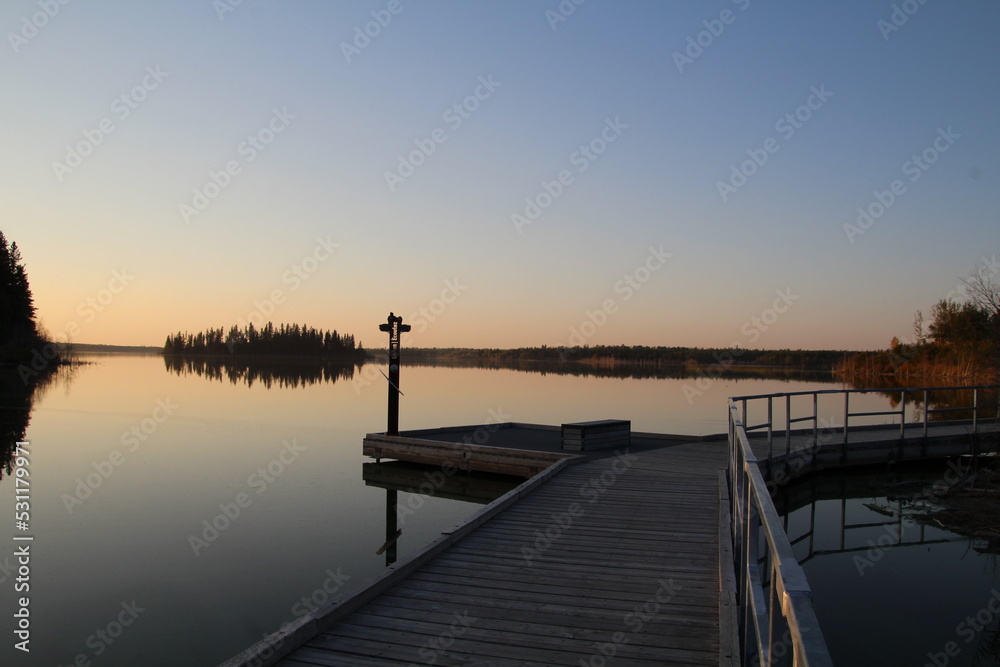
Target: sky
<point>786,174</point>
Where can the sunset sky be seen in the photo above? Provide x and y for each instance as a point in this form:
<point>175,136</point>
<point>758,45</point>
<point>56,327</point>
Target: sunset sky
<point>501,174</point>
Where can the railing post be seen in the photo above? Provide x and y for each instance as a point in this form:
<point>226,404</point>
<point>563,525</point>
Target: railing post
<point>926,410</point>
<point>902,422</point>
<point>975,410</point>
<point>788,426</point>
<point>815,422</point>
<point>770,434</point>
<point>847,416</point>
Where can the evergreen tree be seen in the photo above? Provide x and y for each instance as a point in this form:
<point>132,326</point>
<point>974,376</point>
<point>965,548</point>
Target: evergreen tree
<point>18,330</point>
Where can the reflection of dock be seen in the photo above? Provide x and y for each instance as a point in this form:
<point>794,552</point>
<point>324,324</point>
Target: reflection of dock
<point>897,530</point>
<point>429,480</point>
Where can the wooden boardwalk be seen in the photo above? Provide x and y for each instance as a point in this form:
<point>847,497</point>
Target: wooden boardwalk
<point>623,560</point>
<point>615,559</point>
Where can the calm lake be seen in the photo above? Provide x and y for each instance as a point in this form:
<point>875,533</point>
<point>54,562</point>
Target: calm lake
<point>889,590</point>
<point>130,462</point>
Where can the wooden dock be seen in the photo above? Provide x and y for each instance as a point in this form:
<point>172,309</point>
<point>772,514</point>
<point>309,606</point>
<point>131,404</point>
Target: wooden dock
<point>615,560</point>
<point>624,559</point>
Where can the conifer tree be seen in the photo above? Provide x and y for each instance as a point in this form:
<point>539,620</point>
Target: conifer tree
<point>18,331</point>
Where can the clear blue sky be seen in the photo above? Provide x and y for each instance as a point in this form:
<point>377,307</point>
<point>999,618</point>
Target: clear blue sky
<point>311,118</point>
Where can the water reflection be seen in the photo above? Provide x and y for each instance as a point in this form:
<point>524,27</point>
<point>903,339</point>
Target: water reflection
<point>269,373</point>
<point>944,405</point>
<point>416,480</point>
<point>16,400</point>
<point>637,370</point>
<point>889,588</point>
<point>846,512</point>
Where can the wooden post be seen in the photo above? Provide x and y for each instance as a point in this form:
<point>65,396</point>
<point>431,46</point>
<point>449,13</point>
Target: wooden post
<point>394,326</point>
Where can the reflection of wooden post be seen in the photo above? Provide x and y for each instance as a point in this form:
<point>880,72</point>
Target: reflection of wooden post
<point>394,326</point>
<point>390,526</point>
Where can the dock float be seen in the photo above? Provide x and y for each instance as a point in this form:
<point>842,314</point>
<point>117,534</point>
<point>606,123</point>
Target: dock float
<point>512,448</point>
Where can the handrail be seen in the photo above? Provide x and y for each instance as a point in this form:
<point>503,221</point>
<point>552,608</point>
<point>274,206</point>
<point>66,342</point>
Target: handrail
<point>776,616</point>
<point>863,391</point>
<point>777,622</point>
<point>845,428</point>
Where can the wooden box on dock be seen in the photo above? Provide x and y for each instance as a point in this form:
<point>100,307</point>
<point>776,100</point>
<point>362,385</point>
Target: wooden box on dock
<point>584,436</point>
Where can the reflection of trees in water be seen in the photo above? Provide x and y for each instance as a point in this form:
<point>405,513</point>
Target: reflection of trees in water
<point>269,373</point>
<point>16,399</point>
<point>633,370</point>
<point>987,400</point>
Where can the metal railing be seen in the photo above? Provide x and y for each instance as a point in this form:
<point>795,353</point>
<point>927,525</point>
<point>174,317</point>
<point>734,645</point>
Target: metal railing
<point>977,392</point>
<point>777,623</point>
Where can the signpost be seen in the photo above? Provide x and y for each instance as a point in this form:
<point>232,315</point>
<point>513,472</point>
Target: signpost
<point>394,326</point>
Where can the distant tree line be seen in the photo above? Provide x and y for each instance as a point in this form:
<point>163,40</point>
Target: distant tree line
<point>962,340</point>
<point>629,355</point>
<point>269,340</point>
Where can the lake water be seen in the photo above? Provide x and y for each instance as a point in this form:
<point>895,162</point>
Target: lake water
<point>886,589</point>
<point>129,462</point>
